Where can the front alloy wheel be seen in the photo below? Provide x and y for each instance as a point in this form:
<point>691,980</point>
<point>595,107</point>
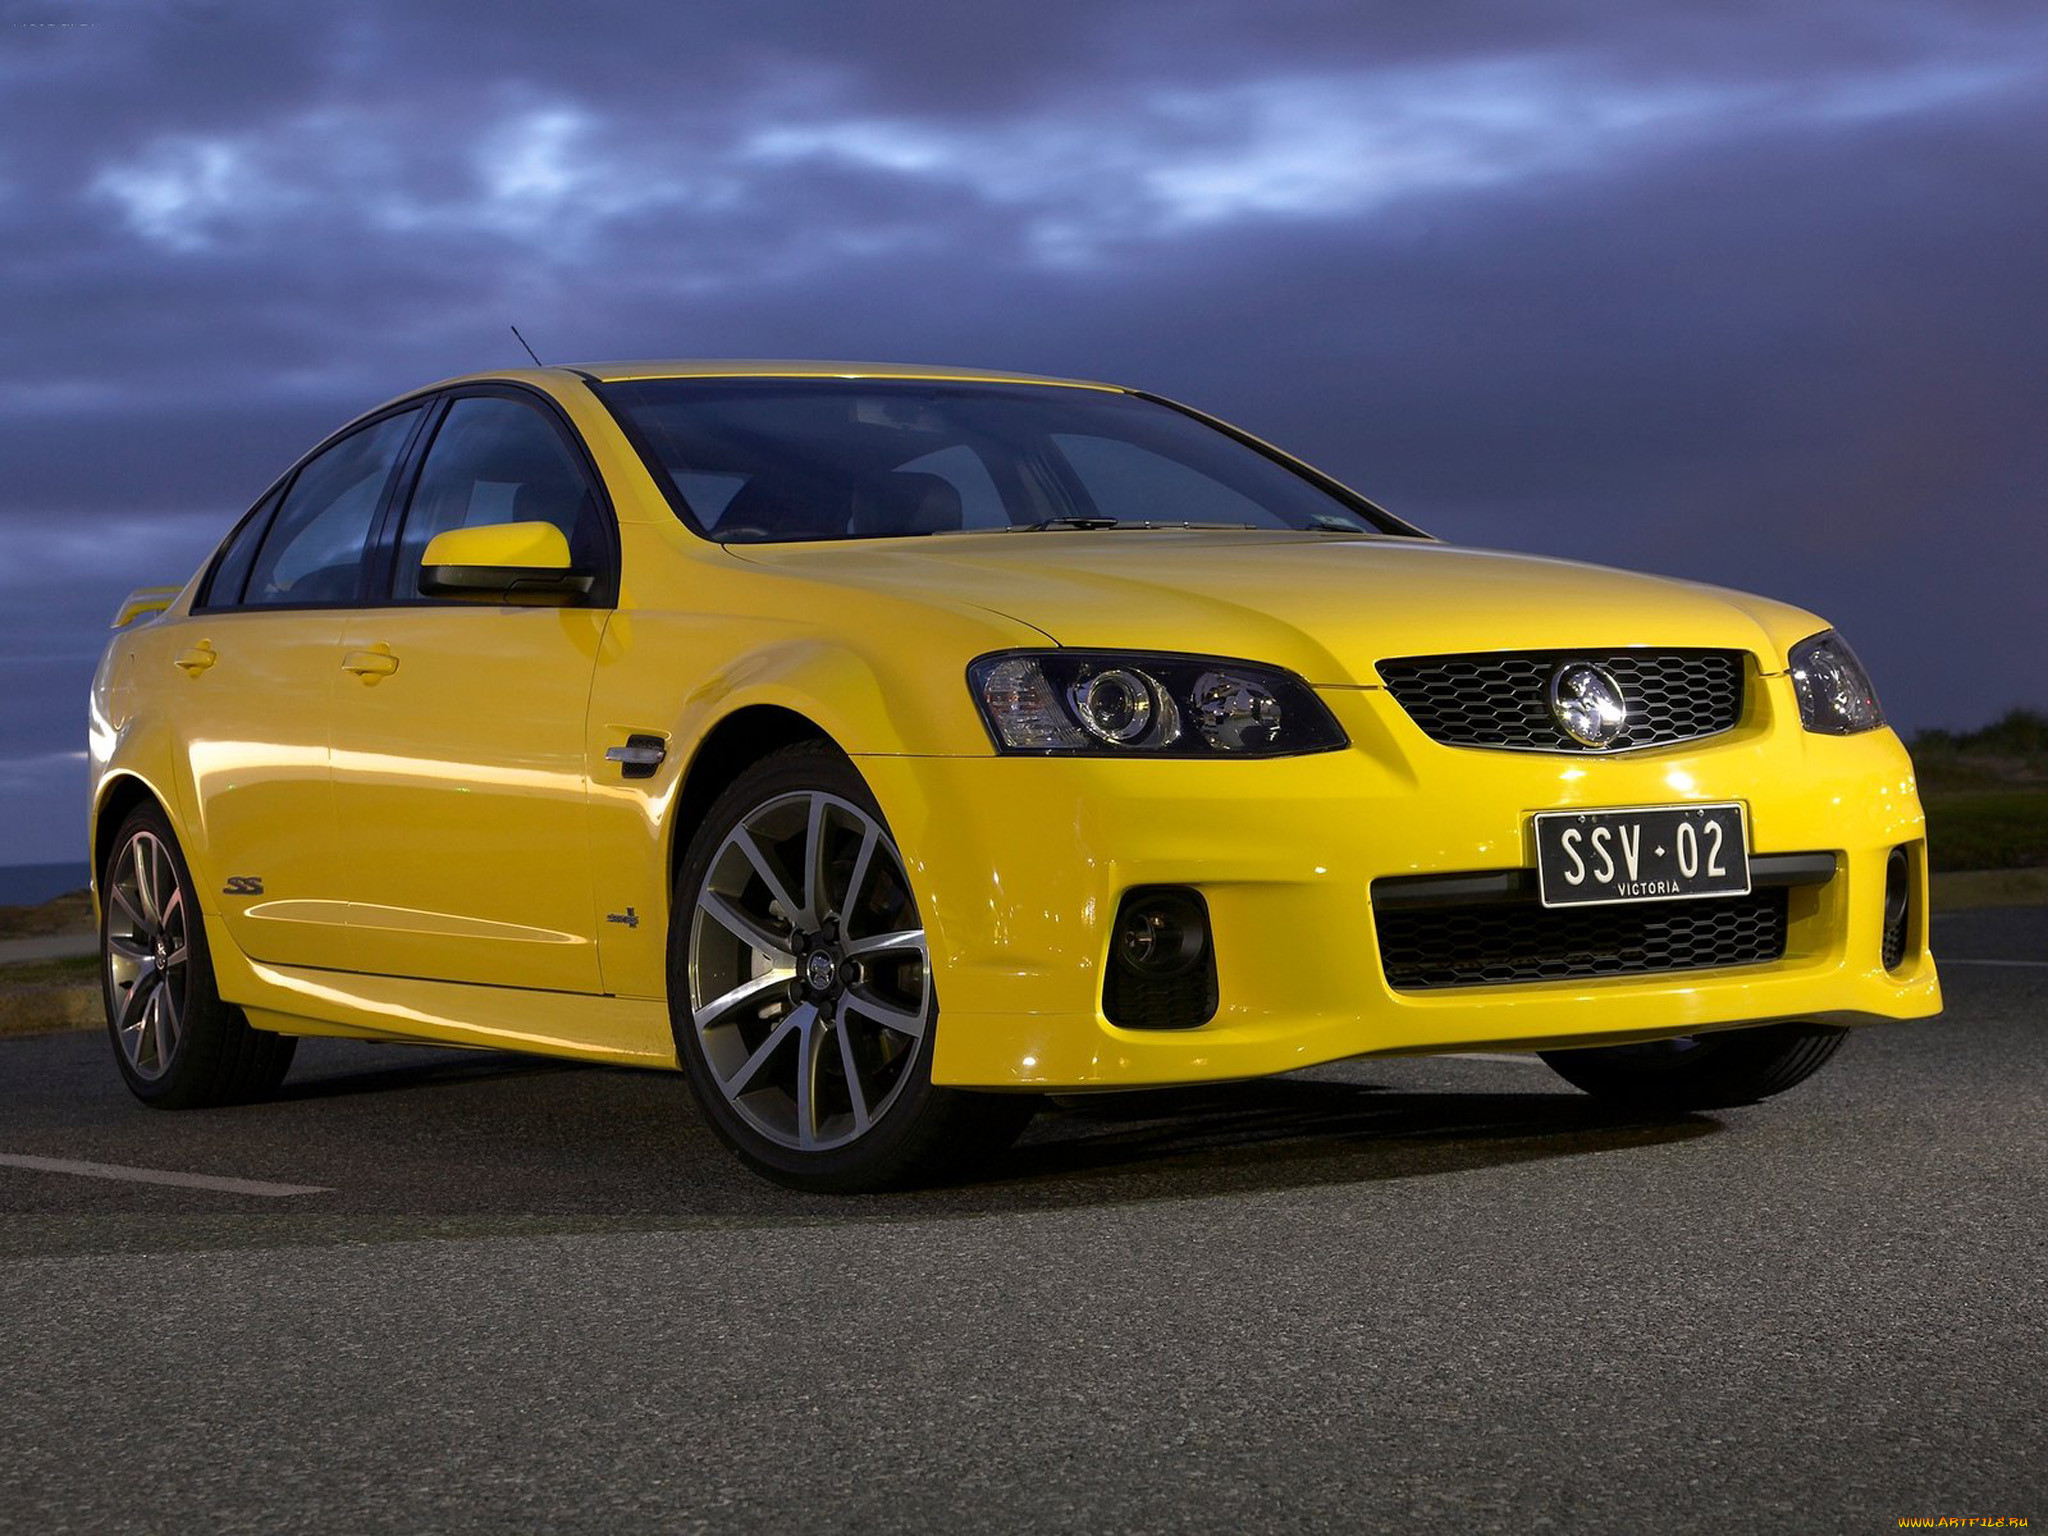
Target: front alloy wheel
<point>810,981</point>
<point>801,987</point>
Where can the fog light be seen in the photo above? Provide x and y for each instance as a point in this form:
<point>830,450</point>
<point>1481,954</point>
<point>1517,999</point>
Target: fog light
<point>1161,933</point>
<point>1162,965</point>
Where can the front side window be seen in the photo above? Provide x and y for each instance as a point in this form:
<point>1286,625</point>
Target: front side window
<point>313,552</point>
<point>775,460</point>
<point>492,461</point>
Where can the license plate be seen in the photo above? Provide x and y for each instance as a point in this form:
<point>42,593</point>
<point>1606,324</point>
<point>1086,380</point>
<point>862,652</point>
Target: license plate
<point>1646,853</point>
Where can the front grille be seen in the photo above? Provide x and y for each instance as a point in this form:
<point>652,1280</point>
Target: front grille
<point>1502,698</point>
<point>1489,943</point>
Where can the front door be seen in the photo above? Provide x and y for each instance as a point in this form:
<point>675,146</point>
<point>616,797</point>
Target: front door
<point>460,782</point>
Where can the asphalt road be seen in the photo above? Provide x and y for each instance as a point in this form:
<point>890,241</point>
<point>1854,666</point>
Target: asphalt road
<point>1401,1295</point>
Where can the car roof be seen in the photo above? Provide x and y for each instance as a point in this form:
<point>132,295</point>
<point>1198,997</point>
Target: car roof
<point>765,368</point>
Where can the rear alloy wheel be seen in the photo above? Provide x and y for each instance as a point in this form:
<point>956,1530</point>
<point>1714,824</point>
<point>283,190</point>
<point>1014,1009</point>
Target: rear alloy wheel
<point>177,1044</point>
<point>1711,1071</point>
<point>800,985</point>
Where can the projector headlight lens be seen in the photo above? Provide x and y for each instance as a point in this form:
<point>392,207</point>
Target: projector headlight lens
<point>1122,706</point>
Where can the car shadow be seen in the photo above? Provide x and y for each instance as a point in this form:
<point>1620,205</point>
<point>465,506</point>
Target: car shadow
<point>435,1068</point>
<point>1282,1134</point>
<point>405,1143</point>
<point>609,1147</point>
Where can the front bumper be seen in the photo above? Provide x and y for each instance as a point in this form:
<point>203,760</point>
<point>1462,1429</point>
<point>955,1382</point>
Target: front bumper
<point>1020,864</point>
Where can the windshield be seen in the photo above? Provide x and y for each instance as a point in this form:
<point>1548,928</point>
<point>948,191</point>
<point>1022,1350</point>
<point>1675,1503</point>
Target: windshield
<point>776,460</point>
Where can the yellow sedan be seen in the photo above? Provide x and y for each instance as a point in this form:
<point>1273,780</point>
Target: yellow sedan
<point>883,747</point>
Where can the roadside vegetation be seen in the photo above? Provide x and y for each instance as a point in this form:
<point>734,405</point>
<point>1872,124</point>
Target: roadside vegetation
<point>41,995</point>
<point>1986,793</point>
<point>69,913</point>
<point>71,970</point>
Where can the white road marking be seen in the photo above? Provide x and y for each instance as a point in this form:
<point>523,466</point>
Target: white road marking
<point>158,1176</point>
<point>1519,1061</point>
<point>2036,965</point>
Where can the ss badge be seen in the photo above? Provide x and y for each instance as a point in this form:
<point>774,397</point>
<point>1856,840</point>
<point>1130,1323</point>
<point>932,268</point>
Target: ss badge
<point>243,885</point>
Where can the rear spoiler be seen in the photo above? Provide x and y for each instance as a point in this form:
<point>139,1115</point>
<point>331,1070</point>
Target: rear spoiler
<point>144,601</point>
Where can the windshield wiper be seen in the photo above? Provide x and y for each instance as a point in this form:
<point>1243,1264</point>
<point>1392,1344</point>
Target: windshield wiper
<point>1064,522</point>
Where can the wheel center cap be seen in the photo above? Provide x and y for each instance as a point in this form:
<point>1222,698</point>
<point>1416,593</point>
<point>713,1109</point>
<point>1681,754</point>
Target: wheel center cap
<point>820,971</point>
<point>163,955</point>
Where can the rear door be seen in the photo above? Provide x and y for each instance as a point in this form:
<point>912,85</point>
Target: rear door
<point>460,780</point>
<point>252,673</point>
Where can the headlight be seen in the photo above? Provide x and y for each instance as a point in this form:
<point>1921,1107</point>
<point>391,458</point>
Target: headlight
<point>1835,696</point>
<point>1118,703</point>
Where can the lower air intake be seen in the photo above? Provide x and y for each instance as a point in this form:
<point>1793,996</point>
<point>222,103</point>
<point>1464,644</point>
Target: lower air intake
<point>1493,943</point>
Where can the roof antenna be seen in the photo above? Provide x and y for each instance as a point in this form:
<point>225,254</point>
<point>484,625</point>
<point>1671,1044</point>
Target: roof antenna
<point>529,351</point>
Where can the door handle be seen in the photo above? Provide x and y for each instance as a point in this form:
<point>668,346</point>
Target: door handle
<point>198,659</point>
<point>370,665</point>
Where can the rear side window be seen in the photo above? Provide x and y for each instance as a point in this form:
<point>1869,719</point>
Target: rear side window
<point>231,570</point>
<point>497,461</point>
<point>314,550</point>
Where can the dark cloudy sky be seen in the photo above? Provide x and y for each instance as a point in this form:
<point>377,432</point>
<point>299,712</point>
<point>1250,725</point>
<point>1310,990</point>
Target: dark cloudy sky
<point>1746,292</point>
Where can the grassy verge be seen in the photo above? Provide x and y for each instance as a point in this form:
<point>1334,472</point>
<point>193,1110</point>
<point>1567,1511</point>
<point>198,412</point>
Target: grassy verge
<point>1987,829</point>
<point>71,913</point>
<point>37,996</point>
<point>1968,890</point>
<point>73,970</point>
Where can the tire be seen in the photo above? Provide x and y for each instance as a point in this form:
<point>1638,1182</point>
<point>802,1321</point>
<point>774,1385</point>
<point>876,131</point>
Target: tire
<point>177,1044</point>
<point>1711,1071</point>
<point>800,989</point>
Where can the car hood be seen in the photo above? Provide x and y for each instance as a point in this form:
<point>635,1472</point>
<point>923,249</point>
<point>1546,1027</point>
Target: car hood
<point>1325,606</point>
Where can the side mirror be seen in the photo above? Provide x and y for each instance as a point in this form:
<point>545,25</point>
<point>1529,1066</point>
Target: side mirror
<point>513,562</point>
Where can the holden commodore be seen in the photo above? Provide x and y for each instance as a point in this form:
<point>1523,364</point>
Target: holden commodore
<point>884,747</point>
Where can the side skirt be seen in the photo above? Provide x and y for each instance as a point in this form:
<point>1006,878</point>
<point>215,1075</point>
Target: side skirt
<point>294,1000</point>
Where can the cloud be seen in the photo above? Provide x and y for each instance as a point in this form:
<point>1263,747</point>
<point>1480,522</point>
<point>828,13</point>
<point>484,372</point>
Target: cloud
<point>182,187</point>
<point>563,178</point>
